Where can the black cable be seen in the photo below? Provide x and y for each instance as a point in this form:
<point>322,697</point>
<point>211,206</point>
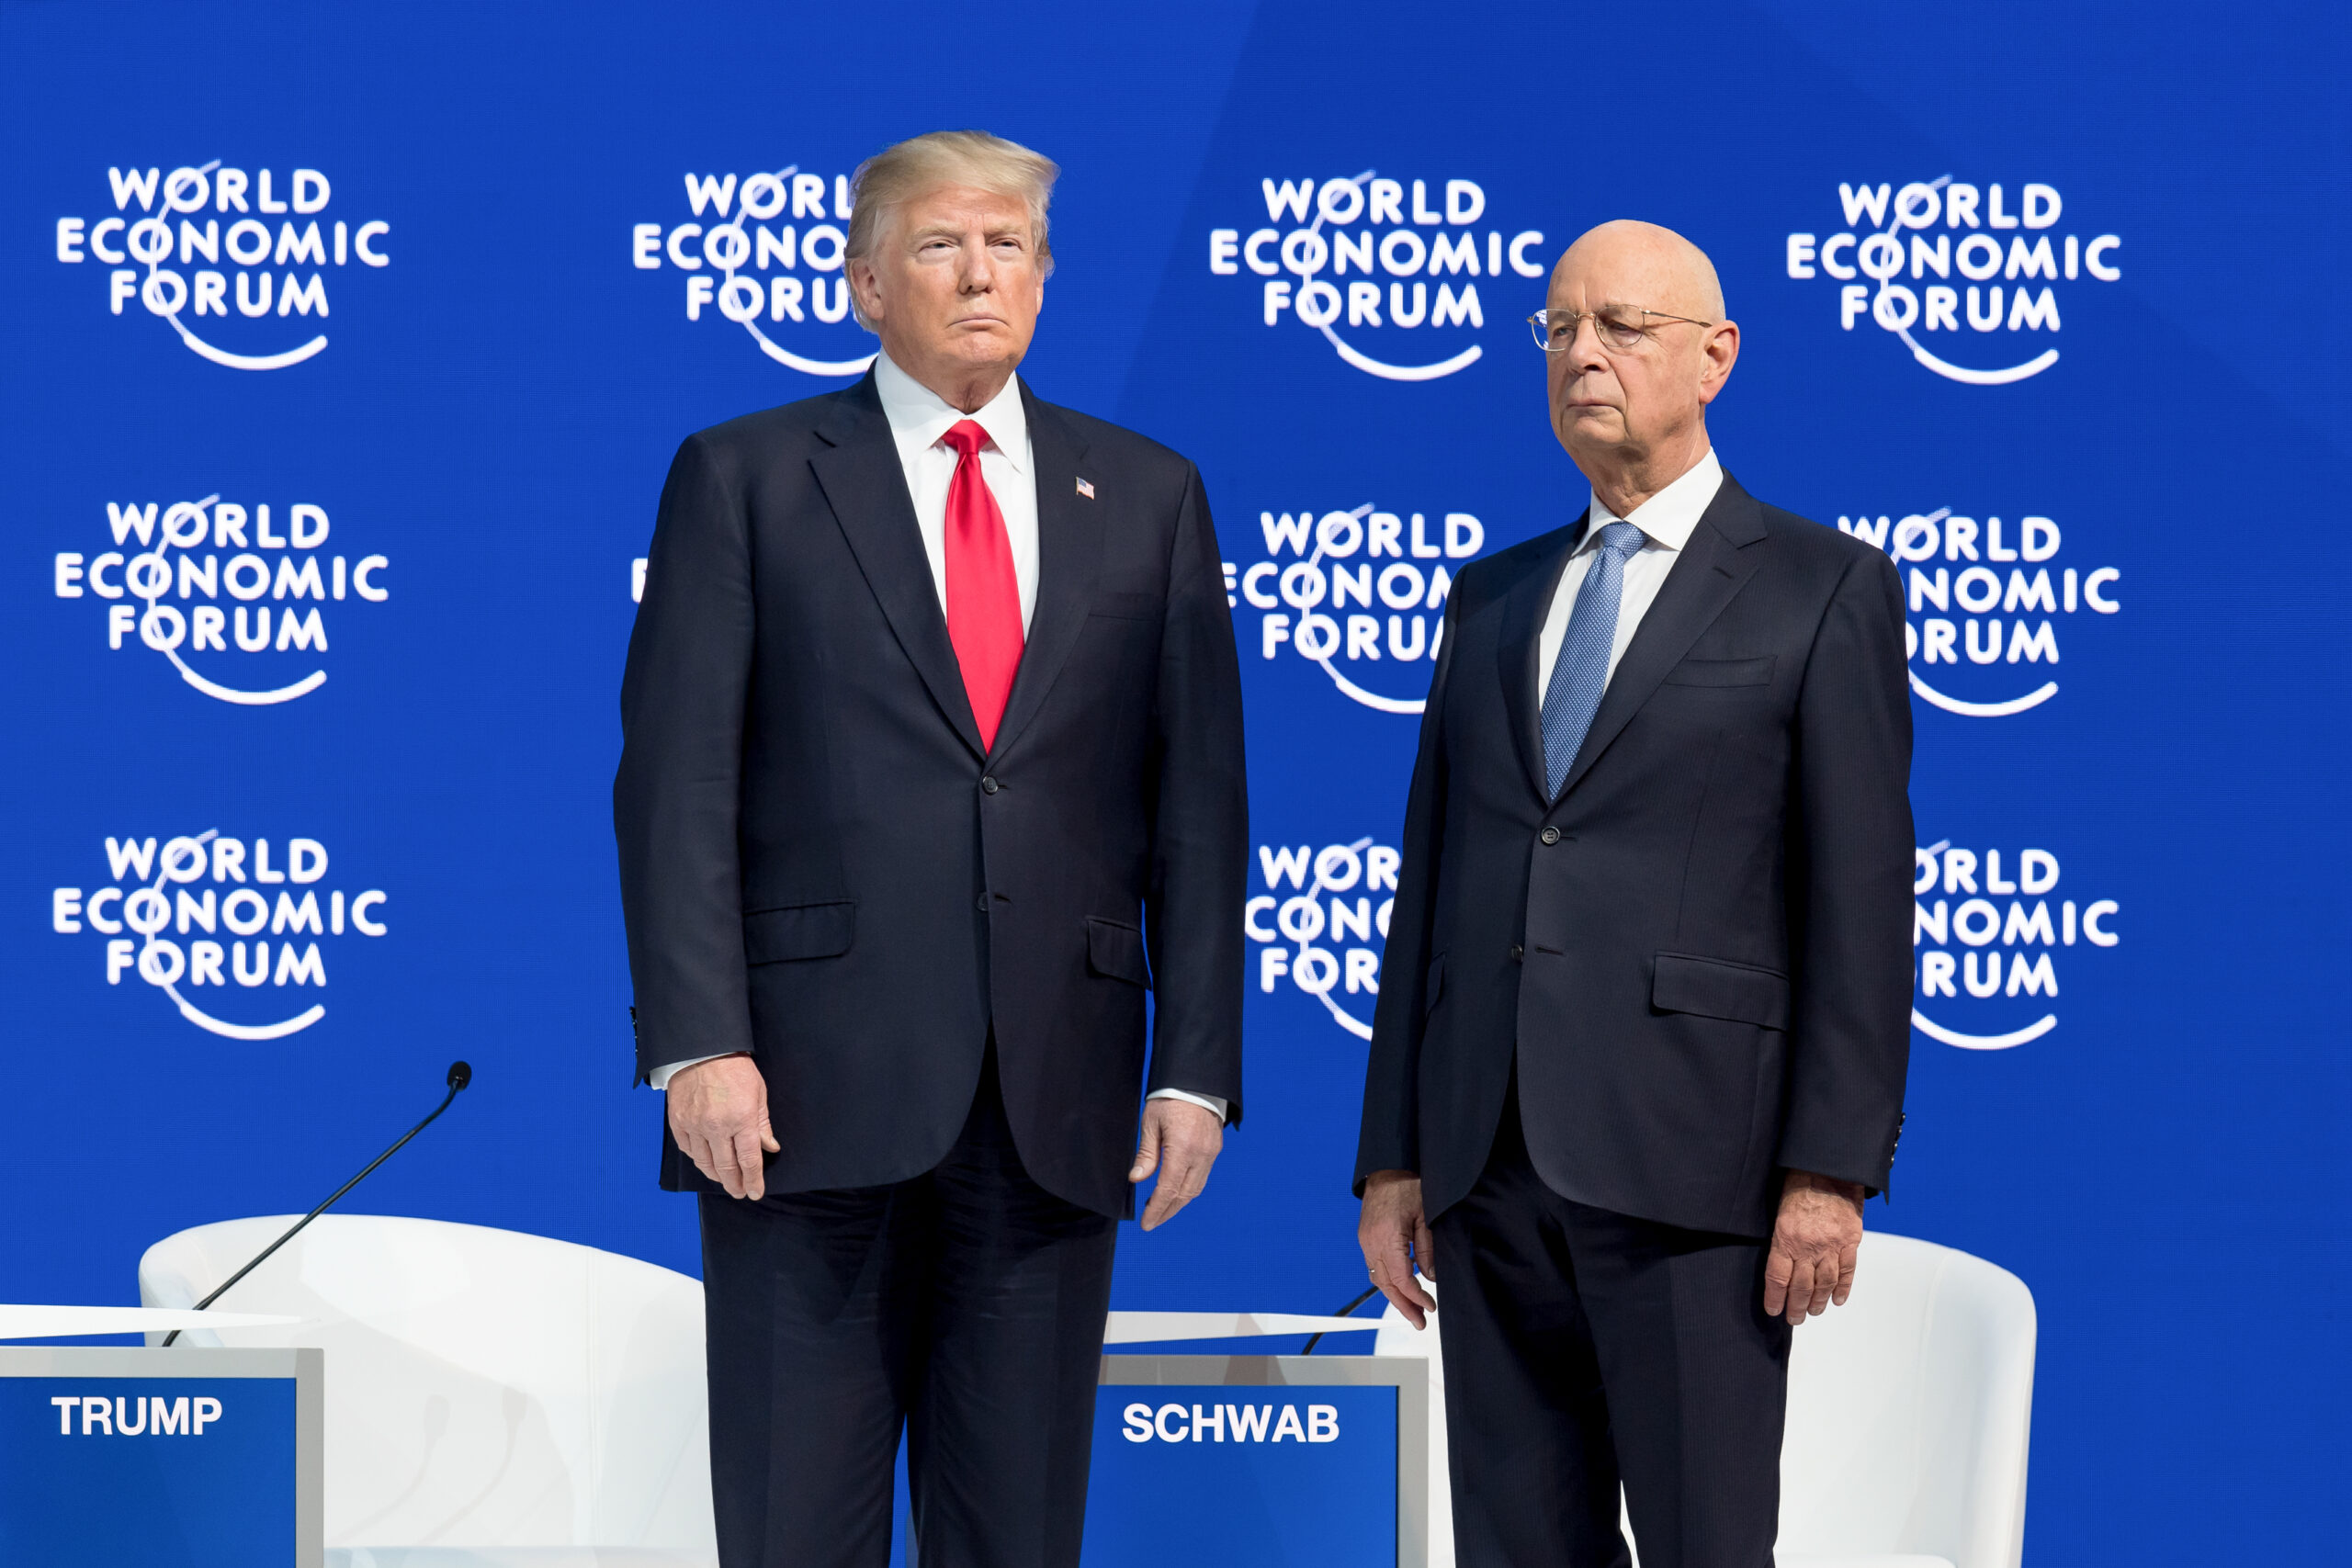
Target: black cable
<point>460,1075</point>
<point>1348,1311</point>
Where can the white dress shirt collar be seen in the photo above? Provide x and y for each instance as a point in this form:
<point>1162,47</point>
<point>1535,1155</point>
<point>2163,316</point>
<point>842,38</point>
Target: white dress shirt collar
<point>920,417</point>
<point>1667,517</point>
<point>1666,520</point>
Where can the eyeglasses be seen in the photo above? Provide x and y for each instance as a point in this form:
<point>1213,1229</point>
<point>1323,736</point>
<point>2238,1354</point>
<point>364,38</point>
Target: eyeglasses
<point>1620,327</point>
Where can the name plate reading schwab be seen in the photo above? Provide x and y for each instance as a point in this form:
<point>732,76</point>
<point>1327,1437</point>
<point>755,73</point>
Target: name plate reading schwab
<point>1259,1462</point>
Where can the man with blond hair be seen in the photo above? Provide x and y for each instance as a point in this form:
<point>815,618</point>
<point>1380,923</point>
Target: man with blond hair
<point>1643,1021</point>
<point>932,767</point>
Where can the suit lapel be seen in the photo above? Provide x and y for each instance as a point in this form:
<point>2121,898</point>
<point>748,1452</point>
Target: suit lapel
<point>1713,566</point>
<point>867,487</point>
<point>1523,633</point>
<point>1070,563</point>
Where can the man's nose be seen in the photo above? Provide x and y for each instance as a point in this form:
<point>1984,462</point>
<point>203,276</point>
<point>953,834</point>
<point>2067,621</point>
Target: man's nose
<point>978,274</point>
<point>1584,349</point>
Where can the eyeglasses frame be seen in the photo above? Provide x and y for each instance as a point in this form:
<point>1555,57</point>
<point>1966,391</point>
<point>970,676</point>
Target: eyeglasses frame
<point>1540,324</point>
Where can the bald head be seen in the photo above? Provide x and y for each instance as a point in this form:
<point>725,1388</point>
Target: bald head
<point>1640,348</point>
<point>1646,264</point>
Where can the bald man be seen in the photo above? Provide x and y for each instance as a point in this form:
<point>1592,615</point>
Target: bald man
<point>1644,1019</point>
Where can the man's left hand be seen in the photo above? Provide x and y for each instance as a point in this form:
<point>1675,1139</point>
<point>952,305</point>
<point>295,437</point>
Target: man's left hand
<point>1180,1141</point>
<point>1815,1241</point>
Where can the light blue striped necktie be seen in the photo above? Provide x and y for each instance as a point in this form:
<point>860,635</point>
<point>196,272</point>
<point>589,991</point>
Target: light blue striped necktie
<point>1580,674</point>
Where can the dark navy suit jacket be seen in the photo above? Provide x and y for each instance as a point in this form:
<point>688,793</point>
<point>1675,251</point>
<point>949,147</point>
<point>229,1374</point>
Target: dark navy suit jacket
<point>822,866</point>
<point>1699,958</point>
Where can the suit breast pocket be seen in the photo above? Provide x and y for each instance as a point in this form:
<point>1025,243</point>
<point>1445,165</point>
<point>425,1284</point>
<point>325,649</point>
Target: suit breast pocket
<point>1128,606</point>
<point>1721,672</point>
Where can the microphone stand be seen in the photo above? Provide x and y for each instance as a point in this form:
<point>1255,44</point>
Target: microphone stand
<point>460,1075</point>
<point>1348,1311</point>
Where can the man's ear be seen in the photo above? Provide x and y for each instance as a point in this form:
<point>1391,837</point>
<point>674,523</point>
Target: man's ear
<point>1719,352</point>
<point>860,271</point>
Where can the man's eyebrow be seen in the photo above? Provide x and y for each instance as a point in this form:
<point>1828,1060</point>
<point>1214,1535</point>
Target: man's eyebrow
<point>1009,230</point>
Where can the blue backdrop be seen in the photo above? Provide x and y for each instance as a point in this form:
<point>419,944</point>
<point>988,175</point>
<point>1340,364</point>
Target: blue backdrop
<point>345,349</point>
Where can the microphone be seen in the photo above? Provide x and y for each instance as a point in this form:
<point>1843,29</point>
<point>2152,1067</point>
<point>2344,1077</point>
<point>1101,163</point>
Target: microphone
<point>460,1075</point>
<point>1348,1311</point>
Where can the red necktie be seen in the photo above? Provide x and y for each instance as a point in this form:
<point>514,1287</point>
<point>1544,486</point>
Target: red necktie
<point>983,595</point>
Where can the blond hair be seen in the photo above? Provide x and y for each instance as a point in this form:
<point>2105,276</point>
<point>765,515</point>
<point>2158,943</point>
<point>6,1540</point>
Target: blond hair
<point>920,163</point>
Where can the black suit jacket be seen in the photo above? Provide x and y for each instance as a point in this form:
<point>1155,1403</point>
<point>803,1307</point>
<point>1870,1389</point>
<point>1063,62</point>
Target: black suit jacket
<point>820,865</point>
<point>1700,956</point>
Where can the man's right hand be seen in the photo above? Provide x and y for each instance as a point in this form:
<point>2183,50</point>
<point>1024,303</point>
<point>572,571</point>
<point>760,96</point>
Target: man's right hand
<point>1395,1236</point>
<point>718,1114</point>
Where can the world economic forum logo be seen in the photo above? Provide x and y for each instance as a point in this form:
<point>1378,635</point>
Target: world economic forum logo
<point>227,257</point>
<point>165,909</point>
<point>2006,267</point>
<point>243,590</point>
<point>1991,928</point>
<point>1986,603</point>
<point>1321,921</point>
<point>1360,593</point>
<point>763,252</point>
<point>1386,271</point>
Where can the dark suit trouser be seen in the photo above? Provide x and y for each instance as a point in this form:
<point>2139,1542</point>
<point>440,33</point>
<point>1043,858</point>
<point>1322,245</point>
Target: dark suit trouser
<point>1583,1349</point>
<point>966,1304</point>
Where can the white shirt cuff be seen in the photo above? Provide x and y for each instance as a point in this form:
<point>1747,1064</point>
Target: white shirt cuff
<point>1208,1102</point>
<point>660,1077</point>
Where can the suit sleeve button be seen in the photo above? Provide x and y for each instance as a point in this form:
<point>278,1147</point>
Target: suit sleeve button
<point>1517,953</point>
<point>988,785</point>
<point>1550,836</point>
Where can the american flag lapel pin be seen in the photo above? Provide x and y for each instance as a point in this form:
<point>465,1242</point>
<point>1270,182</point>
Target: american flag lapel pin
<point>1086,490</point>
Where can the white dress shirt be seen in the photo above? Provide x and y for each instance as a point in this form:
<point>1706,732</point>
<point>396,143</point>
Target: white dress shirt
<point>920,420</point>
<point>1666,521</point>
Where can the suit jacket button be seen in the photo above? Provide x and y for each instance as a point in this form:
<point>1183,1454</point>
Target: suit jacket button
<point>988,785</point>
<point>1550,836</point>
<point>1517,953</point>
<point>983,905</point>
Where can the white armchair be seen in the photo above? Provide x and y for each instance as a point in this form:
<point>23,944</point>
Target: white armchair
<point>494,1400</point>
<point>1909,1409</point>
<point>1909,1413</point>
